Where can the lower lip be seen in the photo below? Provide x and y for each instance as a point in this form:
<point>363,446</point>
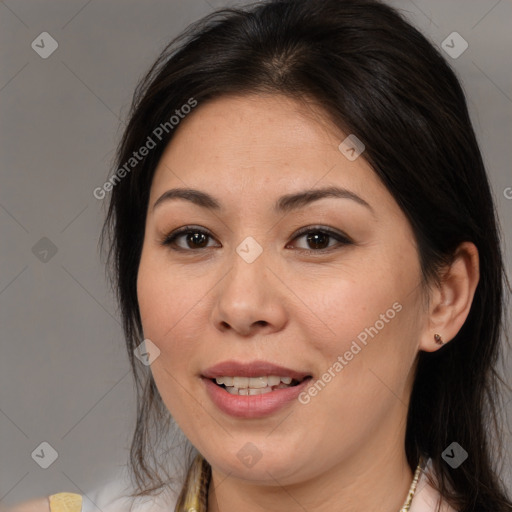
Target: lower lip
<point>255,406</point>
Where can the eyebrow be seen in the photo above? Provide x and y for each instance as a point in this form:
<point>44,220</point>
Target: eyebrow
<point>284,204</point>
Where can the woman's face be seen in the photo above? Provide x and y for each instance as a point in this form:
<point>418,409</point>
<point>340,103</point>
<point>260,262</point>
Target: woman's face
<point>341,303</point>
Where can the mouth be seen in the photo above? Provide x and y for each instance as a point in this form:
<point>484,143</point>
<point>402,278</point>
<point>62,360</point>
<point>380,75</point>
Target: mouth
<point>246,402</point>
<point>251,386</point>
<point>253,389</point>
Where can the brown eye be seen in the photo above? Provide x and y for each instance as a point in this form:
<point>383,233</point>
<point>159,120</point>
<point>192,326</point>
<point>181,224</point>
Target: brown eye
<point>197,239</point>
<point>318,239</point>
<point>194,238</point>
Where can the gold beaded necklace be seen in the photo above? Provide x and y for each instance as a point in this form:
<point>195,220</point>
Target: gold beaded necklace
<point>194,496</point>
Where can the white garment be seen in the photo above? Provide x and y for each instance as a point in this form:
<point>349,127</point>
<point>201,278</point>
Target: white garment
<point>426,498</point>
<point>112,498</point>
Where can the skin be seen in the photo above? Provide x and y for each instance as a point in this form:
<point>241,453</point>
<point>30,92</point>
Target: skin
<point>293,307</point>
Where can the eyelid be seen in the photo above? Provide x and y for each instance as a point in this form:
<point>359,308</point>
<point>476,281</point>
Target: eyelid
<point>169,238</point>
<point>324,229</point>
<point>342,238</point>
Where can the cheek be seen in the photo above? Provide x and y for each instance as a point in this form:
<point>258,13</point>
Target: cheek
<point>368,317</point>
<point>166,307</point>
<point>366,363</point>
<point>339,311</point>
<point>165,297</point>
<point>174,317</point>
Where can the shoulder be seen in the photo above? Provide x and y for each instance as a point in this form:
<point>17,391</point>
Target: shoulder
<point>41,504</point>
<point>59,502</point>
<point>110,497</point>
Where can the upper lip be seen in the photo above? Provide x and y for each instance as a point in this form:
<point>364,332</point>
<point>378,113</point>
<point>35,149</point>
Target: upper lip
<point>251,369</point>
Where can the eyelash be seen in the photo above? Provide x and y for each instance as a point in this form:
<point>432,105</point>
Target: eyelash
<point>169,239</point>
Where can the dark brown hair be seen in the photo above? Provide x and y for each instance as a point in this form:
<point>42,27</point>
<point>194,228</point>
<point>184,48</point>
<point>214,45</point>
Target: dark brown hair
<point>376,76</point>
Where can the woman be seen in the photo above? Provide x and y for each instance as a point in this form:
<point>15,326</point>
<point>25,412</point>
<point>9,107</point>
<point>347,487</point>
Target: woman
<point>302,232</point>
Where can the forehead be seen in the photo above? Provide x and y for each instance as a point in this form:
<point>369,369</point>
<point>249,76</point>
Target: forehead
<point>241,146</point>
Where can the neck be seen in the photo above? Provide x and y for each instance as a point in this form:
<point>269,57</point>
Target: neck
<point>376,477</point>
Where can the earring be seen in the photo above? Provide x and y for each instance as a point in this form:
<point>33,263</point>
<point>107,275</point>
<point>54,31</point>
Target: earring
<point>438,339</point>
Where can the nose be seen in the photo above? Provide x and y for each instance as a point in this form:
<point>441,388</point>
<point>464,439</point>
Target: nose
<point>250,298</point>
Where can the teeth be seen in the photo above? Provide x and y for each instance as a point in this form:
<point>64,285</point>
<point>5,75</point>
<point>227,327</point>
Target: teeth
<point>249,386</point>
<point>248,391</point>
<point>253,382</point>
<point>257,382</point>
<point>274,380</point>
<point>241,382</point>
<point>257,391</point>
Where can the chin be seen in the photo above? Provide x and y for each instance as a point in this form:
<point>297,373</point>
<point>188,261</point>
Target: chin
<point>262,468</point>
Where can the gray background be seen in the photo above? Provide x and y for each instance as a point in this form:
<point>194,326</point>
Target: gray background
<point>64,373</point>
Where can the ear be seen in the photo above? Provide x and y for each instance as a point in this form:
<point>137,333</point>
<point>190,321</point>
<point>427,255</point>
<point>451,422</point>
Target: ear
<point>451,301</point>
